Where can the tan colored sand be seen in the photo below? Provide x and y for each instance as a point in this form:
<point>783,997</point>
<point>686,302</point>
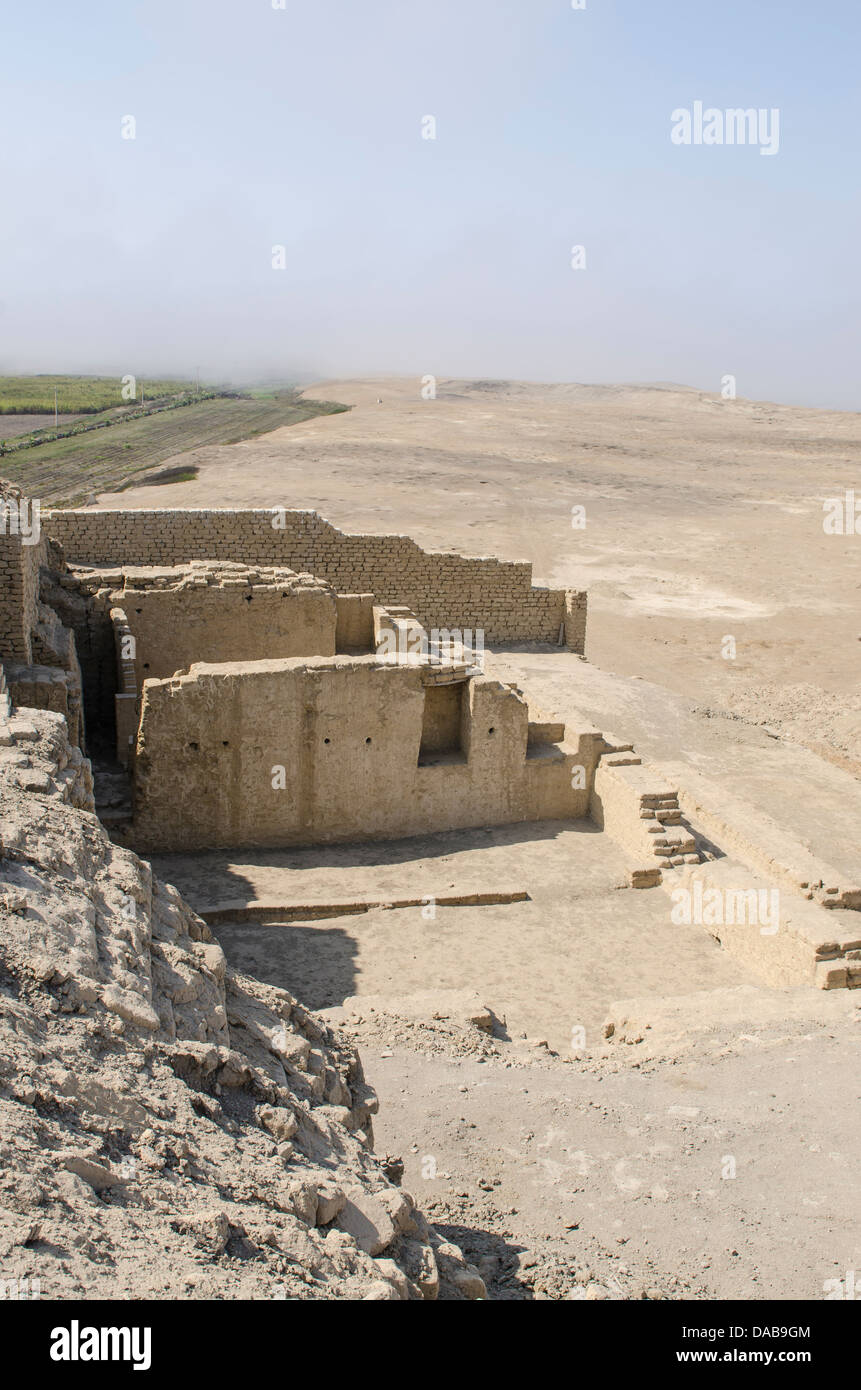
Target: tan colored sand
<point>546,965</point>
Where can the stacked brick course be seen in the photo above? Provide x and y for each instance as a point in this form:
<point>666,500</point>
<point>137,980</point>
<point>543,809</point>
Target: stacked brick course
<point>444,589</point>
<point>19,584</point>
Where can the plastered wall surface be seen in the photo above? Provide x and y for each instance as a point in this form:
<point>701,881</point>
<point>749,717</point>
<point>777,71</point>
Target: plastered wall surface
<point>232,620</point>
<point>181,614</point>
<point>347,733</point>
<point>444,589</point>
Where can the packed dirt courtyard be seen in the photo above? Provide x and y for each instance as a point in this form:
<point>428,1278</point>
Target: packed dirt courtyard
<point>545,965</point>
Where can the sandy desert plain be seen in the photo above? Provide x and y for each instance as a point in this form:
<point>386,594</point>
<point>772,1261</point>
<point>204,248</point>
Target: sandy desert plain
<point>709,1146</point>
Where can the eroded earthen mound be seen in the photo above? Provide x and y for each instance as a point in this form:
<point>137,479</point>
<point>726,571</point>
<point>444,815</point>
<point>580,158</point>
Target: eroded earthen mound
<point>169,1126</point>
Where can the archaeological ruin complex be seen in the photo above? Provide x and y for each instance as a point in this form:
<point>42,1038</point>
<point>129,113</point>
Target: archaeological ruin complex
<point>260,680</point>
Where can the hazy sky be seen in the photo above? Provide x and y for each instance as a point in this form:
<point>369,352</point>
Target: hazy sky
<point>301,127</point>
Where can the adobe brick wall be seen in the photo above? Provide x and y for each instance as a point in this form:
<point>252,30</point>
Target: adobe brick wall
<point>442,588</point>
<point>19,586</point>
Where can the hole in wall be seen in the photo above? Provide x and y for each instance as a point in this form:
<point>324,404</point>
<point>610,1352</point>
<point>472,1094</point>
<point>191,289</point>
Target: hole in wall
<point>491,730</point>
<point>225,743</point>
<point>327,740</point>
<point>367,740</point>
<point>195,746</point>
<point>442,725</point>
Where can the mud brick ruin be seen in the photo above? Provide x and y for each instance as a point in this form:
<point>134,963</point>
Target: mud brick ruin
<point>231,671</point>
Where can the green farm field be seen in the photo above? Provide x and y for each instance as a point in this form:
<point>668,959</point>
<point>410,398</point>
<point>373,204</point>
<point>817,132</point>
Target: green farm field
<point>70,471</point>
<point>77,395</point>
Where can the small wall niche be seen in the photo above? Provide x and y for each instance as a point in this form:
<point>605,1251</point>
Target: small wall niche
<point>442,725</point>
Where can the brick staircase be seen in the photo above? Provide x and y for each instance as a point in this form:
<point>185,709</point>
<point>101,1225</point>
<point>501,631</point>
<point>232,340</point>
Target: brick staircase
<point>641,810</point>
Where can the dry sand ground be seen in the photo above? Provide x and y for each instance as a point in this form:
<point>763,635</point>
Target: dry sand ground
<point>546,965</point>
<point>617,1172</point>
<point>605,1169</point>
<point>815,801</point>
